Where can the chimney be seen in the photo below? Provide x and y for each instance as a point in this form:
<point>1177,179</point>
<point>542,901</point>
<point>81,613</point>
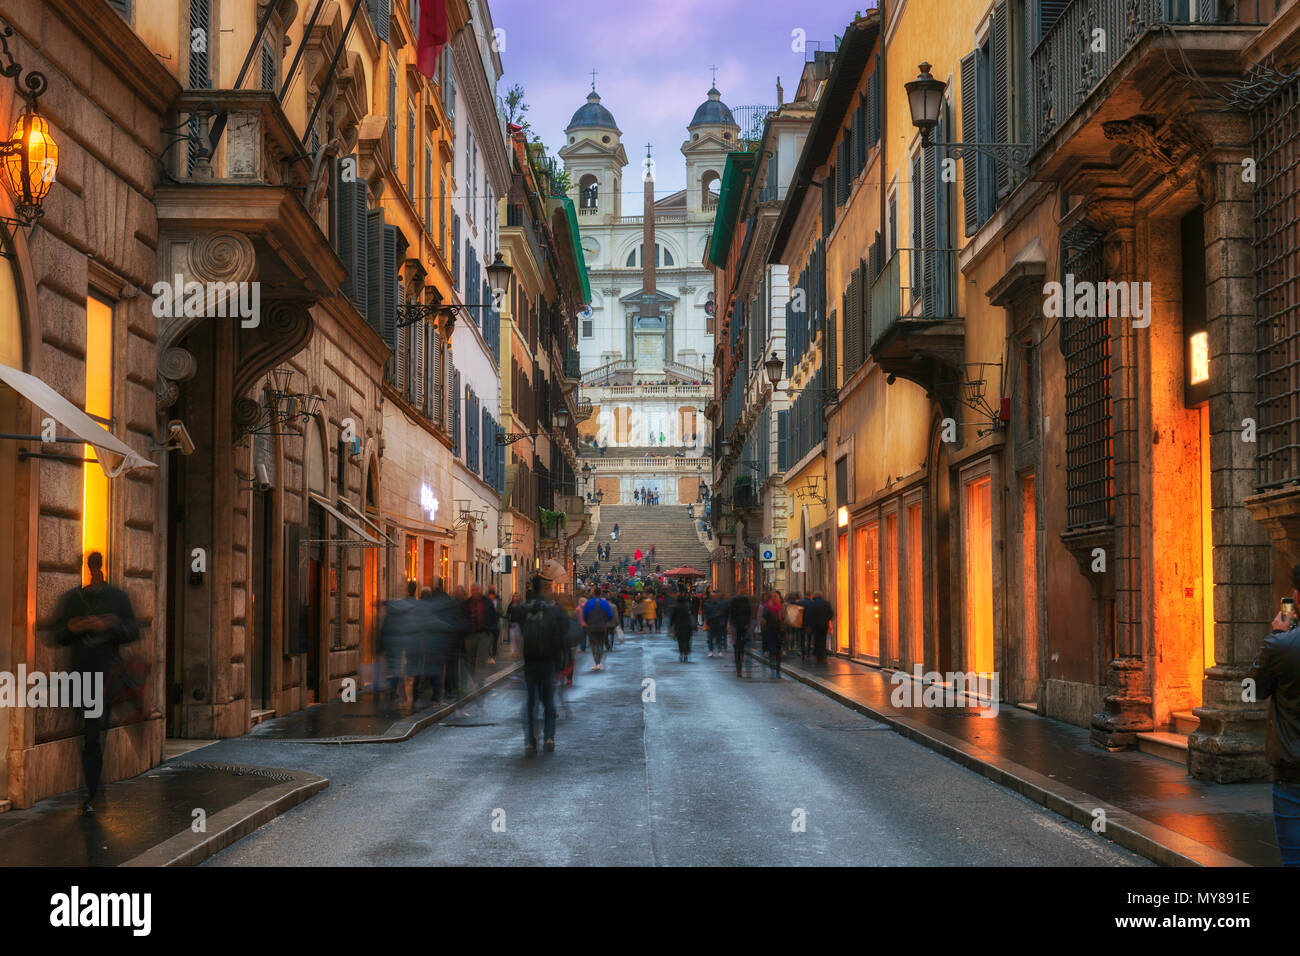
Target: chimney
<point>649,300</point>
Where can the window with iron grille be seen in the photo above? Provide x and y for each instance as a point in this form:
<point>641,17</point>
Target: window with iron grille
<point>1085,343</point>
<point>1274,133</point>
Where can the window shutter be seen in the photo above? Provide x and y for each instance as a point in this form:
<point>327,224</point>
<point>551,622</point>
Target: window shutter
<point>873,105</point>
<point>375,271</point>
<point>1048,11</point>
<point>940,261</point>
<point>918,190</point>
<point>969,126</point>
<point>403,334</point>
<point>485,440</point>
<point>501,463</point>
<point>421,332</point>
<point>455,418</point>
<point>390,285</point>
<point>828,203</point>
<point>449,393</point>
<point>433,398</point>
<point>123,7</point>
<point>783,439</point>
<point>455,247</point>
<point>379,10</point>
<point>268,65</point>
<point>842,169</point>
<point>392,113</point>
<point>200,19</point>
<point>1001,125</point>
<point>345,229</point>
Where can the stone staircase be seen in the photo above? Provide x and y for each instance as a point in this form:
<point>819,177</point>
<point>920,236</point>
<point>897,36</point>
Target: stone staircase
<point>669,528</point>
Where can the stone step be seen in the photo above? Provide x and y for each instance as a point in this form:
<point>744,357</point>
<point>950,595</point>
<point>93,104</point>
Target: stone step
<point>1166,746</point>
<point>1185,722</point>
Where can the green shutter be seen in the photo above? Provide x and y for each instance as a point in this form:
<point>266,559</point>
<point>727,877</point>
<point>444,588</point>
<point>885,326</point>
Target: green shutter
<point>1001,120</point>
<point>375,271</point>
<point>969,133</point>
<point>379,13</point>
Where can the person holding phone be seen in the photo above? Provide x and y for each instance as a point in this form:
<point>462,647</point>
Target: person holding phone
<point>1276,672</point>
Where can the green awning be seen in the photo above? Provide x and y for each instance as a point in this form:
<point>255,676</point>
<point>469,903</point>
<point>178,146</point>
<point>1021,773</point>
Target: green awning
<point>734,179</point>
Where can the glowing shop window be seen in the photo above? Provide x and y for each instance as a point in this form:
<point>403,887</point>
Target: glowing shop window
<point>1199,344</point>
<point>99,404</point>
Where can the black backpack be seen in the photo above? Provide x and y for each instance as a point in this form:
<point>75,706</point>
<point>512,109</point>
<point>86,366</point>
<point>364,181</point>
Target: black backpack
<point>537,632</point>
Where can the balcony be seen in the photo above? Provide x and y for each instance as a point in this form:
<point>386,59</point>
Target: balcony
<point>612,372</point>
<point>1064,69</point>
<point>916,332</point>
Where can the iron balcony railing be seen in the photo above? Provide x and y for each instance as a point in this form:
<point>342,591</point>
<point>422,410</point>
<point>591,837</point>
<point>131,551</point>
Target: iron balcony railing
<point>1066,66</point>
<point>915,284</point>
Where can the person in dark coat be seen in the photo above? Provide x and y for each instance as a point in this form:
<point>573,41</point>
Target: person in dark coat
<point>95,621</point>
<point>682,623</point>
<point>817,617</point>
<point>739,615</point>
<point>401,636</point>
<point>544,628</point>
<point>445,645</point>
<point>1276,672</point>
<point>715,619</point>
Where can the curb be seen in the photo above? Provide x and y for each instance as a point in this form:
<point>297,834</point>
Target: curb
<point>1156,843</point>
<point>233,823</point>
<point>407,727</point>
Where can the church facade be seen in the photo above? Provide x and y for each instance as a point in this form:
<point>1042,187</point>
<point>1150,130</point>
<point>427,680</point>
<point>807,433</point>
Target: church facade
<point>646,339</point>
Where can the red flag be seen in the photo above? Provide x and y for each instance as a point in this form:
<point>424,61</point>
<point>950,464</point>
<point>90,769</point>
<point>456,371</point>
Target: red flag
<point>433,35</point>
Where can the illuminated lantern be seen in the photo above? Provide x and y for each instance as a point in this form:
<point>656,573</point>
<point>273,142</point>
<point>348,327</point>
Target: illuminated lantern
<point>31,160</point>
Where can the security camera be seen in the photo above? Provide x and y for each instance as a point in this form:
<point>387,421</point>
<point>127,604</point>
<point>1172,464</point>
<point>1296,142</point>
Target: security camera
<point>263,477</point>
<point>179,438</point>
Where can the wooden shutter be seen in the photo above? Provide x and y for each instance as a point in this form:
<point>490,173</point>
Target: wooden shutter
<point>123,7</point>
<point>375,271</point>
<point>433,398</point>
<point>379,14</point>
<point>421,331</point>
<point>449,395</point>
<point>969,133</point>
<point>873,105</point>
<point>999,45</point>
<point>1047,13</point>
<point>455,418</point>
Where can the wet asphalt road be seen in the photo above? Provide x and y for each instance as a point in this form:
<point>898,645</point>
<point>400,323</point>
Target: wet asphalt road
<point>715,770</point>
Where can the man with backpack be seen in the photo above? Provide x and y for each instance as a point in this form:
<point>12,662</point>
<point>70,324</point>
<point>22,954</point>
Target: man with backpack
<point>544,628</point>
<point>597,617</point>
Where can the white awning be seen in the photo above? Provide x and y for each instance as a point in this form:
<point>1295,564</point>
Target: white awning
<point>115,456</point>
<point>353,508</point>
<point>343,519</point>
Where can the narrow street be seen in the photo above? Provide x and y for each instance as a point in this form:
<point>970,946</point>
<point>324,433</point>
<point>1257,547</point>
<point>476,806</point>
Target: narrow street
<point>709,772</point>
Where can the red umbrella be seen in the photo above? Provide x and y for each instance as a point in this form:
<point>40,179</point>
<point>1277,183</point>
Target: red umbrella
<point>684,572</point>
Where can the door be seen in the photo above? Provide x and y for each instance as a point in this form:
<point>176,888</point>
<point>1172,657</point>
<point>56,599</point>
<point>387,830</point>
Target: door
<point>842,615</point>
<point>866,592</point>
<point>259,664</point>
<point>977,507</point>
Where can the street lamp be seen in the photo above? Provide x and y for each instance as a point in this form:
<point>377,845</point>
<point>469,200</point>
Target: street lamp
<point>774,366</point>
<point>561,417</point>
<point>726,448</point>
<point>29,159</point>
<point>499,276</point>
<point>925,100</point>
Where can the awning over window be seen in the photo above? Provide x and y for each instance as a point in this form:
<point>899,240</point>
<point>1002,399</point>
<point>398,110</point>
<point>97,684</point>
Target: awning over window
<point>365,538</point>
<point>115,456</point>
<point>360,514</point>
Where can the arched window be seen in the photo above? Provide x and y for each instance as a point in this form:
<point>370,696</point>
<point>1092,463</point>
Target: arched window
<point>588,193</point>
<point>710,187</point>
<point>662,257</point>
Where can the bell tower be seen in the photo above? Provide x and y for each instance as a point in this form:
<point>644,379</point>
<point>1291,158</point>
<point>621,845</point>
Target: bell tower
<point>594,158</point>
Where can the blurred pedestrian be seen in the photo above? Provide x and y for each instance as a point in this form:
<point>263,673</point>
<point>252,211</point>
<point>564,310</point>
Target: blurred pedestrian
<point>739,616</point>
<point>817,616</point>
<point>598,616</point>
<point>95,621</point>
<point>649,612</point>
<point>715,619</point>
<point>543,629</point>
<point>773,628</point>
<point>481,616</point>
<point>663,607</point>
<point>495,631</point>
<point>515,617</point>
<point>682,624</point>
<point>398,635</point>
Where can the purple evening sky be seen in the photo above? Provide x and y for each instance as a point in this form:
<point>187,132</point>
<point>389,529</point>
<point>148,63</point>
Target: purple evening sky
<point>652,60</point>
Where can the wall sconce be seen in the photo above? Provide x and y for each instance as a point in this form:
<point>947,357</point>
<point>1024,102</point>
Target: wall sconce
<point>29,159</point>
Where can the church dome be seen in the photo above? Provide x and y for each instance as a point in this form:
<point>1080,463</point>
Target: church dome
<point>713,112</point>
<point>593,114</point>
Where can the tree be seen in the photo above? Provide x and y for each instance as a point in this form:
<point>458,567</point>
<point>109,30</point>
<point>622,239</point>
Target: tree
<point>516,107</point>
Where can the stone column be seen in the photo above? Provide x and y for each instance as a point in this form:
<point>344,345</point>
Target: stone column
<point>1228,746</point>
<point>1128,697</point>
